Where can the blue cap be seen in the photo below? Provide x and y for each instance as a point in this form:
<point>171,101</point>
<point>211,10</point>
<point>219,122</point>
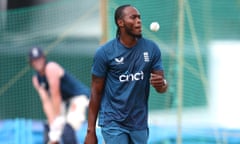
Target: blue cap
<point>35,53</point>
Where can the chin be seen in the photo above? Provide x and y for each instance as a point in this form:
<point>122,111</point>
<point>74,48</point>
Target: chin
<point>138,36</point>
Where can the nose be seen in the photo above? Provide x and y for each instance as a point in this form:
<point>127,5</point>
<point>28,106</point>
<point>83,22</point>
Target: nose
<point>139,20</point>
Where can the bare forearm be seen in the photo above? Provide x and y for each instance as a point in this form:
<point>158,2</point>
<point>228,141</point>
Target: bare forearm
<point>48,110</point>
<point>56,101</point>
<point>91,137</point>
<point>92,114</point>
<point>95,100</point>
<point>47,105</point>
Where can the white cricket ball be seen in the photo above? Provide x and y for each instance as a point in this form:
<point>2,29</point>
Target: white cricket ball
<point>154,26</point>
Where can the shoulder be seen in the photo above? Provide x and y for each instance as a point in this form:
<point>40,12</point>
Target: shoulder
<point>53,68</point>
<point>106,48</point>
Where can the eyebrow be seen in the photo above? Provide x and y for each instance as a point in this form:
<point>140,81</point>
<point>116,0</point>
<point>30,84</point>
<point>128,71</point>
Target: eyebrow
<point>136,15</point>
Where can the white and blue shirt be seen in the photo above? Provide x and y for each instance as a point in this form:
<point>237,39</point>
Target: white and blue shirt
<point>127,72</point>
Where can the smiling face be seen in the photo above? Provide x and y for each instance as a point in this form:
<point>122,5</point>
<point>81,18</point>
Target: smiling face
<point>130,22</point>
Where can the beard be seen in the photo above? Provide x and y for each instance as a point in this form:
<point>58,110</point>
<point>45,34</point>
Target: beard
<point>129,32</point>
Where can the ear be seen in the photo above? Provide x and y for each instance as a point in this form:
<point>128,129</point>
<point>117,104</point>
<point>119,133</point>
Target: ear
<point>120,22</point>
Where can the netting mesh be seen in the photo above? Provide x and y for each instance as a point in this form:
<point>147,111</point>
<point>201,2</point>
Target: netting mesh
<point>69,32</point>
<point>204,21</point>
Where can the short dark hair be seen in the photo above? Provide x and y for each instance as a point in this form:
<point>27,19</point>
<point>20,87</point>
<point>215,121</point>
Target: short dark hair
<point>118,14</point>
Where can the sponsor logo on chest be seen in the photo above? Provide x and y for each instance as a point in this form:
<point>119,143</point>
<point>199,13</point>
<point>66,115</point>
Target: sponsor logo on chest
<point>129,76</point>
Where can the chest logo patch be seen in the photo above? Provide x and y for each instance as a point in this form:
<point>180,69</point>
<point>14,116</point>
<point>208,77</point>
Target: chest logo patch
<point>146,57</point>
<point>119,60</point>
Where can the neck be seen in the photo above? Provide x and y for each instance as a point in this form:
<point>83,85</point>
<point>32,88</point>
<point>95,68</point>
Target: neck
<point>128,41</point>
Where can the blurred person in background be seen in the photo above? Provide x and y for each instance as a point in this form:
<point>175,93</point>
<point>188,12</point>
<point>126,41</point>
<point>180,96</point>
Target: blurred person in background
<point>122,72</point>
<point>64,98</point>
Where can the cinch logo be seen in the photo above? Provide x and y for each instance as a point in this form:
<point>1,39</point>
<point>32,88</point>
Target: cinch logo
<point>131,77</point>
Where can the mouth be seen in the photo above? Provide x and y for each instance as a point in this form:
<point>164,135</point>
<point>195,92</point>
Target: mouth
<point>138,28</point>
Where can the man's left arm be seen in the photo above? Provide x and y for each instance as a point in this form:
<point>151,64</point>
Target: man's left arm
<point>158,81</point>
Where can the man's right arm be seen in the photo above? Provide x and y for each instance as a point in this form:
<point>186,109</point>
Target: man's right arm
<point>46,102</point>
<point>97,88</point>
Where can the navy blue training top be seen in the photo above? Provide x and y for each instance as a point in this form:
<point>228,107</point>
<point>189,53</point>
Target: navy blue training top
<point>126,71</point>
<point>69,86</point>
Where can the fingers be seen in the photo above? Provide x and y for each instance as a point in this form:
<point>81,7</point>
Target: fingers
<point>157,80</point>
<point>156,76</point>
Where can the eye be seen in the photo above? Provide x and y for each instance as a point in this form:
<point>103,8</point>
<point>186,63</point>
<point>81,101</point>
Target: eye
<point>135,16</point>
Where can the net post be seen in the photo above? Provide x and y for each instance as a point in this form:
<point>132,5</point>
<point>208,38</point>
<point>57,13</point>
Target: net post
<point>180,57</point>
<point>104,22</point>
